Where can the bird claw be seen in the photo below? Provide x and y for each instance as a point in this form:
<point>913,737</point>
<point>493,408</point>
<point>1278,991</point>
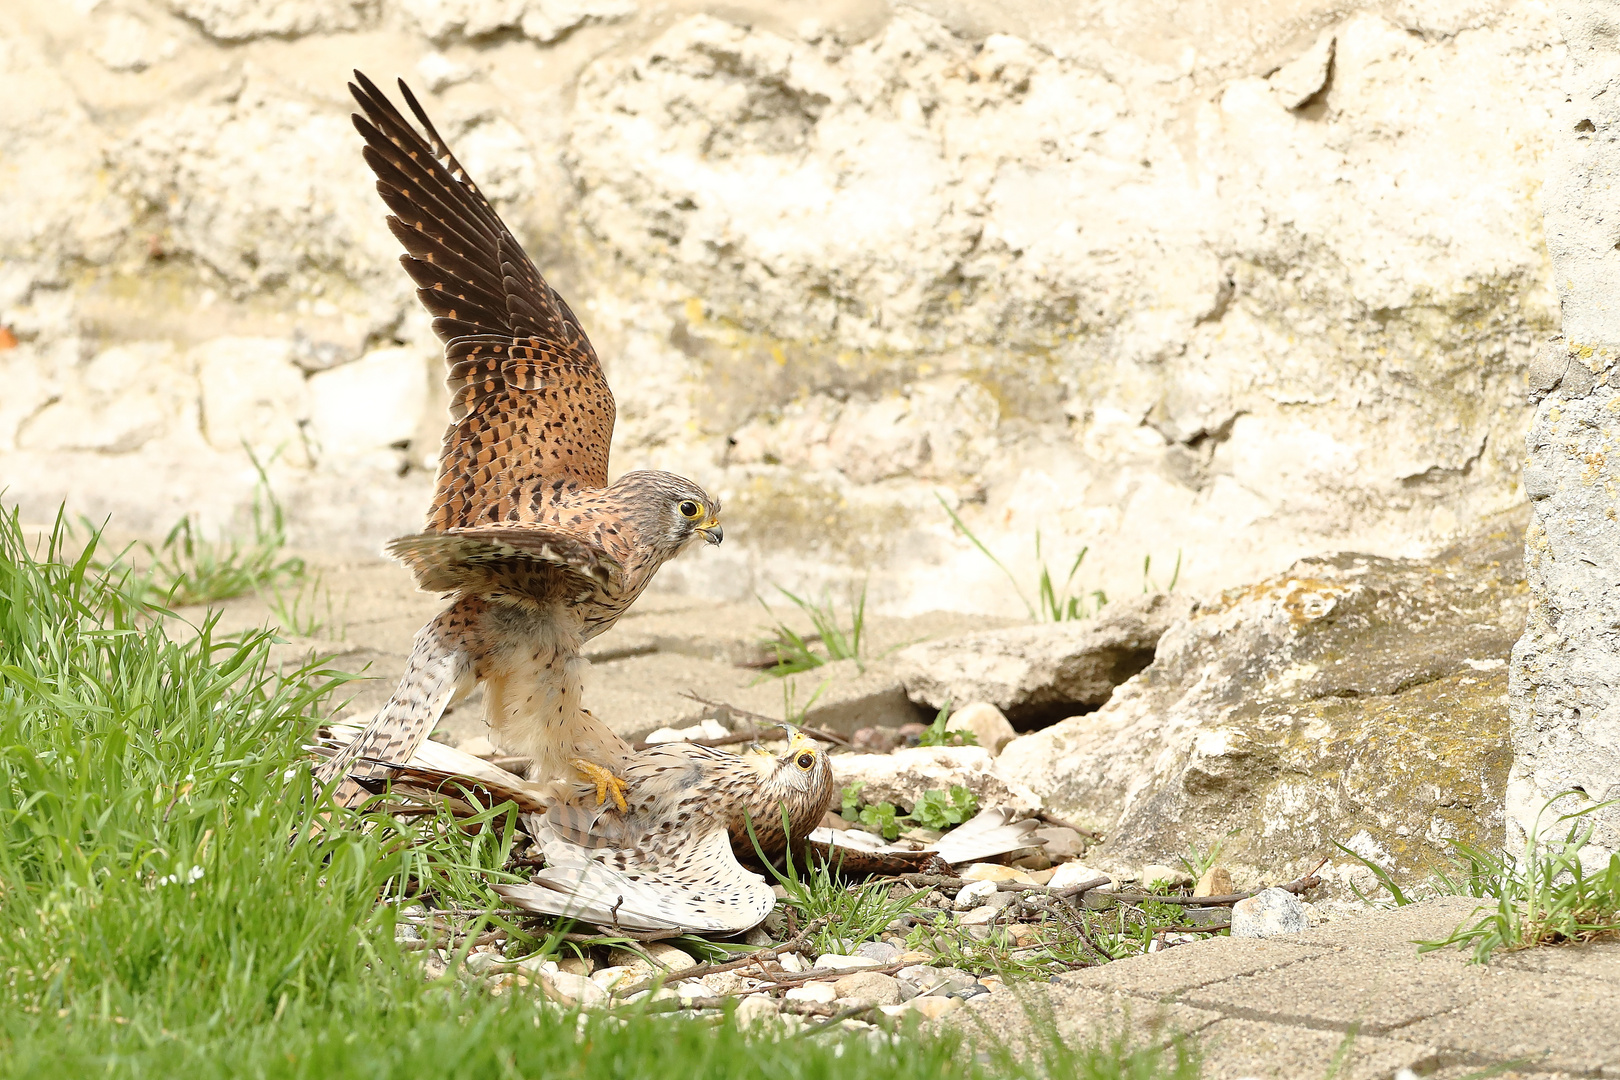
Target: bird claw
<point>604,779</point>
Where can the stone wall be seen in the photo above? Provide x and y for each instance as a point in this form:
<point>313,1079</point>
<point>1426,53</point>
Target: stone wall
<point>1239,281</point>
<point>1565,690</point>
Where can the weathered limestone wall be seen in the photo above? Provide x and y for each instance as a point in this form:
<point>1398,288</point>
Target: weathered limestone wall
<point>1565,690</point>
<point>1245,281</point>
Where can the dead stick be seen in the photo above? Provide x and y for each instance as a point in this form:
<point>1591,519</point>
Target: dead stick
<point>762,955</point>
<point>767,721</point>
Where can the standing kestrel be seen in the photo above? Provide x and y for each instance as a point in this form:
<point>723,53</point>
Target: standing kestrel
<point>538,551</point>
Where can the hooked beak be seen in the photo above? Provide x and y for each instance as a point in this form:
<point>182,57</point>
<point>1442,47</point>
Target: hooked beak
<point>711,530</point>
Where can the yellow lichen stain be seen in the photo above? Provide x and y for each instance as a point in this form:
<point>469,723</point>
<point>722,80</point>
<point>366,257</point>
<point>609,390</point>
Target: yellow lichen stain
<point>694,311</point>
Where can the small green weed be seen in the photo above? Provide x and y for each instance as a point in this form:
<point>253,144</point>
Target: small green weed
<point>795,652</point>
<point>1198,862</point>
<point>936,734</point>
<point>1054,602</point>
<point>1545,896</point>
<point>939,810</point>
<point>306,608</point>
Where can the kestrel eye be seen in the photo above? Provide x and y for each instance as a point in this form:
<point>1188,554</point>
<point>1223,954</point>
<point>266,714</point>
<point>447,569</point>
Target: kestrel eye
<point>806,760</point>
<point>688,509</point>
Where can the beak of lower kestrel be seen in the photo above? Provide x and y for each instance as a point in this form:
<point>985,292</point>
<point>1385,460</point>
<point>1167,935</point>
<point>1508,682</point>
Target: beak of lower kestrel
<point>711,530</point>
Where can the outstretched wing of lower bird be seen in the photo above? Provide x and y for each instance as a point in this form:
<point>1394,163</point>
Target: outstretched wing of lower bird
<point>699,888</point>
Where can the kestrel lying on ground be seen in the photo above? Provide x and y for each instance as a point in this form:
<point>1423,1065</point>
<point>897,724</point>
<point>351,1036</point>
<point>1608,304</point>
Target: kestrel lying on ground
<point>666,862</point>
<point>538,551</point>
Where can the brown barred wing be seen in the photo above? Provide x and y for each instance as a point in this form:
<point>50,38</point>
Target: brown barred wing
<point>493,559</point>
<point>531,406</point>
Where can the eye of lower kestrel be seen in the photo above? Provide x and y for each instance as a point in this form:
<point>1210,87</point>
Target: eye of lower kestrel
<point>689,509</point>
<point>806,760</point>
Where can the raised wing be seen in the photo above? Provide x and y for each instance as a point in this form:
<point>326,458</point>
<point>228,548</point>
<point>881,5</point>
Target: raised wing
<point>531,413</point>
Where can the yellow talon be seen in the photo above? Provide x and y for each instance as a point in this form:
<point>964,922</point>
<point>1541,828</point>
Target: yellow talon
<point>606,783</point>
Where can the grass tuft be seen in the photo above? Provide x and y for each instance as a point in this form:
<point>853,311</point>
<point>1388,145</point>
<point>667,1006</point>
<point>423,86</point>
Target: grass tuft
<point>1544,897</point>
<point>1054,601</point>
<point>839,641</point>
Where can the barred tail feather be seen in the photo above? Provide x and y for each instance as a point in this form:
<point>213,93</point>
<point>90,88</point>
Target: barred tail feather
<point>986,834</point>
<point>438,670</point>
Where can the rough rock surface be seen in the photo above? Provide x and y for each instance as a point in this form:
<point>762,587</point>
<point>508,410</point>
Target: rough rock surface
<point>902,777</point>
<point>1353,699</point>
<point>1045,671</point>
<point>1565,688</point>
<point>1243,281</point>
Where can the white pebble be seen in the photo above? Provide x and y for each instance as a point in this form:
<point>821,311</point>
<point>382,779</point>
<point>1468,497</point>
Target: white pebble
<point>973,894</point>
<point>813,991</point>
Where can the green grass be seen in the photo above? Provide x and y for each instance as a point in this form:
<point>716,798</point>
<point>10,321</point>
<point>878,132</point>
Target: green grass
<point>188,568</point>
<point>839,640</point>
<point>1545,896</point>
<point>1054,601</point>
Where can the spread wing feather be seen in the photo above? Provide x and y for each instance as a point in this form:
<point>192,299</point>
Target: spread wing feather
<point>493,557</point>
<point>530,405</point>
<point>704,889</point>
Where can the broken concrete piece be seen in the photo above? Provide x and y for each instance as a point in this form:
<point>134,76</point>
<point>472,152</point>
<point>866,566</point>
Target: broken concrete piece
<point>1042,672</point>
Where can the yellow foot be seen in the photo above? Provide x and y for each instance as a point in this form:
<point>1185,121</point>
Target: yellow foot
<point>606,783</point>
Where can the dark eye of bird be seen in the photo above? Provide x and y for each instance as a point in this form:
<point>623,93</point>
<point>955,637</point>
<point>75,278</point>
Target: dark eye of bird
<point>689,509</point>
<point>806,760</point>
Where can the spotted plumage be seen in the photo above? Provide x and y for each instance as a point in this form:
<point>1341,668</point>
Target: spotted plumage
<point>667,862</point>
<point>538,552</point>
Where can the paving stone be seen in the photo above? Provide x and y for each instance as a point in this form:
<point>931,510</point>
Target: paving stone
<point>1377,991</point>
<point>1593,960</point>
<point>1234,1048</point>
<point>1163,974</point>
<point>1555,1021</point>
<point>1017,1018</point>
<point>1397,929</point>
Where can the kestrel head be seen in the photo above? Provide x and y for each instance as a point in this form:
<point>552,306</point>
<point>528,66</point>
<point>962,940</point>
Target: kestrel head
<point>671,511</point>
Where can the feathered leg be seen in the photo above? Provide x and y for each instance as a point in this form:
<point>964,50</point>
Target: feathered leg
<point>440,669</point>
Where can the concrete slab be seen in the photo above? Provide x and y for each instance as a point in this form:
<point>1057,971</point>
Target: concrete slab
<point>1592,960</point>
<point>1235,1048</point>
<point>1549,1022</point>
<point>1377,991</point>
<point>1186,967</point>
<point>1025,1019</point>
<point>1396,929</point>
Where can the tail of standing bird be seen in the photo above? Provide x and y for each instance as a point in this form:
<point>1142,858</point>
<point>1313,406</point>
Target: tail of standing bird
<point>440,667</point>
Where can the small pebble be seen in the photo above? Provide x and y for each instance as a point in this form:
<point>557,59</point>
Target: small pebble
<point>1217,881</point>
<point>869,986</point>
<point>755,1009</point>
<point>979,916</point>
<point>881,951</point>
<point>792,963</point>
<point>813,991</point>
<point>967,992</point>
<point>839,962</point>
<point>722,983</point>
<point>576,965</point>
<point>567,989</point>
<point>1071,874</point>
<point>1042,877</point>
<point>1267,914</point>
<point>973,894</point>
<point>933,1008</point>
<point>1158,874</point>
<point>912,956</point>
<point>480,963</point>
<point>991,983</point>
